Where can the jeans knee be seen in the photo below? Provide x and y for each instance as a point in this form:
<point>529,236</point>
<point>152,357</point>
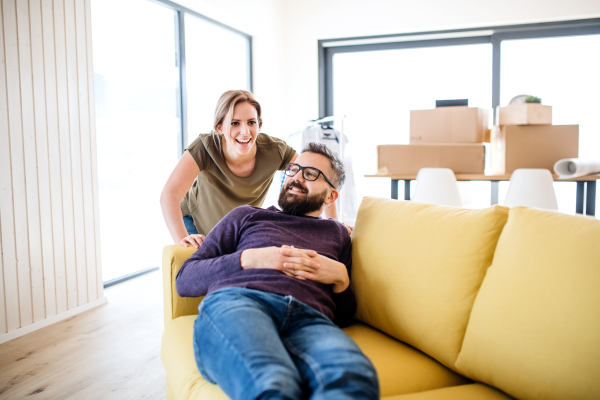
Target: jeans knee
<point>278,385</point>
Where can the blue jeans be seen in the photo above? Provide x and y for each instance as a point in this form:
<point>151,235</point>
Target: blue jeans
<point>188,221</point>
<point>261,345</point>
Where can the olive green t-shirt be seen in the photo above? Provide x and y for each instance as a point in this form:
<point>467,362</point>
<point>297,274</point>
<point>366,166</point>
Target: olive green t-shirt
<point>217,190</point>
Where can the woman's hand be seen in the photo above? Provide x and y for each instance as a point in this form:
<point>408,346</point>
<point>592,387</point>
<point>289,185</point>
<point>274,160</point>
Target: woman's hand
<point>350,228</point>
<point>195,240</point>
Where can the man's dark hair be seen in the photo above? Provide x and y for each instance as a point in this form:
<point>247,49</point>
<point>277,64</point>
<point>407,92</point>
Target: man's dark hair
<point>337,166</point>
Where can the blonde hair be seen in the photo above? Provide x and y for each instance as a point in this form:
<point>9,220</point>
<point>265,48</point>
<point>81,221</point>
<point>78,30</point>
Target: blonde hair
<point>224,111</point>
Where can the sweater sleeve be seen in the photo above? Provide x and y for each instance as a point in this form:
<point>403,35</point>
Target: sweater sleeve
<point>216,259</point>
<point>345,302</point>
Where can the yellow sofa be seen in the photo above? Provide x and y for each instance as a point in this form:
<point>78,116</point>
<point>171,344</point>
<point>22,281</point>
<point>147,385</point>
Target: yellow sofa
<point>452,304</point>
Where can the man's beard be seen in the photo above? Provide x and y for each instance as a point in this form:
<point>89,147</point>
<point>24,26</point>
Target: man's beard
<point>297,204</point>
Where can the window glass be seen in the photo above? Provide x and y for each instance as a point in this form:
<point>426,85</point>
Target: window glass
<point>563,72</point>
<point>216,61</point>
<point>376,90</point>
<point>137,128</point>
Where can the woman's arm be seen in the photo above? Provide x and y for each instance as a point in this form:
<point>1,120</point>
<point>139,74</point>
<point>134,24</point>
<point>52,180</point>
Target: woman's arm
<point>178,184</point>
<point>331,211</point>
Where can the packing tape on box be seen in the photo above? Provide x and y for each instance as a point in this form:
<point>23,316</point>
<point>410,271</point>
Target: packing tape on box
<point>574,167</point>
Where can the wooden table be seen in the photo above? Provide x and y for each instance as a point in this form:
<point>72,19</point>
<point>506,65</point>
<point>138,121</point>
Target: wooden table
<point>582,182</point>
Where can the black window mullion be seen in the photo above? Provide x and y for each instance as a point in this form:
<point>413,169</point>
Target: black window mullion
<point>496,54</point>
<point>182,81</point>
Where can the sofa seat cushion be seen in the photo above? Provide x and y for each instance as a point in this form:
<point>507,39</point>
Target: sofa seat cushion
<point>535,327</point>
<point>400,367</point>
<point>416,269</point>
<point>475,391</point>
<point>177,355</point>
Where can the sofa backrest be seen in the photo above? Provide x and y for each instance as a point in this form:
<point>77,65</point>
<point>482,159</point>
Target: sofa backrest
<point>416,269</point>
<point>534,331</point>
<point>173,258</point>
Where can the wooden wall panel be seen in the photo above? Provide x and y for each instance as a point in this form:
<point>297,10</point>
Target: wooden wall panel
<point>49,235</point>
<point>13,90</point>
<point>41,137</point>
<point>74,117</point>
<point>65,152</point>
<point>94,160</point>
<point>2,301</point>
<point>10,300</point>
<point>86,150</point>
<point>58,234</point>
<point>31,167</point>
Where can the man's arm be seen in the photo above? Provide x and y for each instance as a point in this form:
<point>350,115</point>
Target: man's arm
<point>216,259</point>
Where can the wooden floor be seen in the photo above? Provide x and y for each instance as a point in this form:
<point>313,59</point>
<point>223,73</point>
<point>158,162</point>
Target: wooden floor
<point>110,352</point>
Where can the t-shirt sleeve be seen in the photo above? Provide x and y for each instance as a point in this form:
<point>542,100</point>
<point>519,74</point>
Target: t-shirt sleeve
<point>198,152</point>
<point>287,153</point>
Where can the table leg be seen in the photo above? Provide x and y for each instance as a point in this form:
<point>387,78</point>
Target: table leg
<point>495,192</point>
<point>407,189</point>
<point>590,198</point>
<point>395,189</point>
<point>579,198</point>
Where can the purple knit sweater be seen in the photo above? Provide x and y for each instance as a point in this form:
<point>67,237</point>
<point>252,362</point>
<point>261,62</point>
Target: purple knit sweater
<point>216,264</point>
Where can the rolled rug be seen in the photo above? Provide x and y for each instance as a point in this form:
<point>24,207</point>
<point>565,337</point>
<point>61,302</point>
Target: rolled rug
<point>574,167</point>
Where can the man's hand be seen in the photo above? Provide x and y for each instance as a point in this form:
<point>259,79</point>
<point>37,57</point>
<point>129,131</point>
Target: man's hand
<point>329,272</point>
<point>273,258</point>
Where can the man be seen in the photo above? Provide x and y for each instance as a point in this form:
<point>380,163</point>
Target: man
<point>276,281</point>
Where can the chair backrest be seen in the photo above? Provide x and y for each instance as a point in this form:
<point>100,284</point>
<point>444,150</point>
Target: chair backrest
<point>531,187</point>
<point>437,186</point>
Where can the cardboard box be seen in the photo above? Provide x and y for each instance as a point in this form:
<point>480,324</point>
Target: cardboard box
<point>449,125</point>
<point>525,114</point>
<point>410,158</point>
<point>532,146</point>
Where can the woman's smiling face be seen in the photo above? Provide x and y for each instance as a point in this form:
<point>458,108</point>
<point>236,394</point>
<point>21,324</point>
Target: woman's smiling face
<point>243,131</point>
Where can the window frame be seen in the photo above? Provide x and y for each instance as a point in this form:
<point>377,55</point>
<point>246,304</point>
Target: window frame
<point>180,61</point>
<point>495,35</point>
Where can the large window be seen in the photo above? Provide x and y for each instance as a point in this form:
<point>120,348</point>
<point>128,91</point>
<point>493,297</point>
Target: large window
<point>377,104</point>
<point>208,73</point>
<point>142,103</point>
<point>563,71</point>
<point>374,82</point>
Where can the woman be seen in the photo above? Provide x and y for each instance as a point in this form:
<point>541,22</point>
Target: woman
<point>232,166</point>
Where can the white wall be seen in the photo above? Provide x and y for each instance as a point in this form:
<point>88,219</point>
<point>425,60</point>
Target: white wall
<point>307,21</point>
<point>48,177</point>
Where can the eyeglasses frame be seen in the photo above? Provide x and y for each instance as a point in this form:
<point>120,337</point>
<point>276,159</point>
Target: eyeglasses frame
<point>300,168</point>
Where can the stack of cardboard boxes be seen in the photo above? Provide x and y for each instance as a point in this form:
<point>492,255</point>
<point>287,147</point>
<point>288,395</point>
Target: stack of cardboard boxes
<point>452,137</point>
<point>525,138</point>
<point>445,137</point>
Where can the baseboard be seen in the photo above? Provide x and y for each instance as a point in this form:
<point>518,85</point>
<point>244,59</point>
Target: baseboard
<point>51,320</point>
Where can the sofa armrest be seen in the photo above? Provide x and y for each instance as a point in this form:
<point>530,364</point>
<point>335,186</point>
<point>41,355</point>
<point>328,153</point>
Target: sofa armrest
<point>174,306</point>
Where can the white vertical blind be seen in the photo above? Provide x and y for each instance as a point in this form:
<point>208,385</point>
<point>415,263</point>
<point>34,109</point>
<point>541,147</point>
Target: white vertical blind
<point>48,179</point>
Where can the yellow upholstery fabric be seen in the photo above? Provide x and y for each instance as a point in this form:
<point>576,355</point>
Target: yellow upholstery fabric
<point>475,391</point>
<point>417,268</point>
<point>177,355</point>
<point>535,327</point>
<point>173,257</point>
<point>401,368</point>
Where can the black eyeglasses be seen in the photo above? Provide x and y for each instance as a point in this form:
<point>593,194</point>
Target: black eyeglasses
<point>308,173</point>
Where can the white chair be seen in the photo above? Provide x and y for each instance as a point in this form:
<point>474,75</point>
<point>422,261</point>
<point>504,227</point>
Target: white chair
<point>531,188</point>
<point>437,186</point>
